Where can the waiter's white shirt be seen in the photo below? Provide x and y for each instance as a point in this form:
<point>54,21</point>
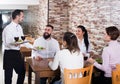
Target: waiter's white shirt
<point>51,47</point>
<point>10,31</point>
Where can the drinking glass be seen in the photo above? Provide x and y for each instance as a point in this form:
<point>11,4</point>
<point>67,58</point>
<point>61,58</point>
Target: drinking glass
<point>16,39</point>
<point>23,38</point>
<point>87,55</point>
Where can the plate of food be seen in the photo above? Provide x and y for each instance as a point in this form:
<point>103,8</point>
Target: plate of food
<point>39,48</point>
<point>99,60</point>
<point>20,42</point>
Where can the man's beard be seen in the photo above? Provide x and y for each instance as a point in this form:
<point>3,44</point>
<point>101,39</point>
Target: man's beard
<point>46,35</point>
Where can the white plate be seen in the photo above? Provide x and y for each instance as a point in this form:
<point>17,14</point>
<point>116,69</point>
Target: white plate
<point>38,49</point>
<point>20,42</point>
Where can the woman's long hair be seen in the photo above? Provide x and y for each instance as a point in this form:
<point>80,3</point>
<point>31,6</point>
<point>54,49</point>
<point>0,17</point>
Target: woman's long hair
<point>85,36</point>
<point>71,41</point>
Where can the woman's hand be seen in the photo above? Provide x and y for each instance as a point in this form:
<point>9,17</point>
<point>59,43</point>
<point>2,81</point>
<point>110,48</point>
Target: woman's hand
<point>91,60</point>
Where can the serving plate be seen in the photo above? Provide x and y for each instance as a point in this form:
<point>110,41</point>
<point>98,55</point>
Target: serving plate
<point>21,42</point>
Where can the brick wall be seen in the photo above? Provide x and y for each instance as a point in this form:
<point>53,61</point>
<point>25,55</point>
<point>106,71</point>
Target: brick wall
<point>36,17</point>
<point>65,15</point>
<point>95,15</point>
<point>58,16</point>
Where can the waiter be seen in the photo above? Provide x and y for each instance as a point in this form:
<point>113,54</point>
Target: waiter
<point>12,56</point>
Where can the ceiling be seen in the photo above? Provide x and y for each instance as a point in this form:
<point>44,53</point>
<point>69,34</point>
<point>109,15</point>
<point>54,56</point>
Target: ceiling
<point>17,4</point>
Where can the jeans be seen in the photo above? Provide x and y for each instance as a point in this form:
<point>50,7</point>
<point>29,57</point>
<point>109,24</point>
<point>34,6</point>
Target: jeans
<point>43,80</point>
<point>58,82</point>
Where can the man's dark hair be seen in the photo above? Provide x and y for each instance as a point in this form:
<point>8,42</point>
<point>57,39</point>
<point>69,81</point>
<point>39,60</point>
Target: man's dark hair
<point>15,13</point>
<point>50,26</point>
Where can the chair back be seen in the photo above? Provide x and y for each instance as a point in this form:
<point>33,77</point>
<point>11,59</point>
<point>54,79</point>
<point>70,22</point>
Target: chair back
<point>78,76</point>
<point>116,75</point>
<point>118,66</point>
<point>30,39</point>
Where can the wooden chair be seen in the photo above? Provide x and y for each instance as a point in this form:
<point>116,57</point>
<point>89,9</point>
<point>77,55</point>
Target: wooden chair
<point>118,66</point>
<point>30,39</point>
<point>78,76</point>
<point>116,75</point>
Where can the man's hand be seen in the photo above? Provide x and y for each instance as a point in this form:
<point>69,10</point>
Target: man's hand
<point>35,49</point>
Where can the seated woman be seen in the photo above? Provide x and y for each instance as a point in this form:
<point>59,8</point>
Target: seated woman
<point>83,41</point>
<point>110,54</point>
<point>70,57</point>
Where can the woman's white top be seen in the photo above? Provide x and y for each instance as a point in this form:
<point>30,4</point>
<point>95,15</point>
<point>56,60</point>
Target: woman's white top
<point>65,59</point>
<point>83,47</point>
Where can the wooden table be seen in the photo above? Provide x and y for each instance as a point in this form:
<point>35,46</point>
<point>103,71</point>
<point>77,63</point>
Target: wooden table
<point>25,51</point>
<point>40,68</point>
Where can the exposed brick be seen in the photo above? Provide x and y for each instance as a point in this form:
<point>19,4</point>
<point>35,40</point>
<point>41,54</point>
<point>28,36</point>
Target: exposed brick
<point>95,15</point>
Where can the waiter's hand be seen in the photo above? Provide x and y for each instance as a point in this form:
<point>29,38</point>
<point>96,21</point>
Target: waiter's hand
<point>38,58</point>
<point>17,44</point>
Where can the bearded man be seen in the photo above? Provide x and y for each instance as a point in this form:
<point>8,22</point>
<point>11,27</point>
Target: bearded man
<point>45,47</point>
